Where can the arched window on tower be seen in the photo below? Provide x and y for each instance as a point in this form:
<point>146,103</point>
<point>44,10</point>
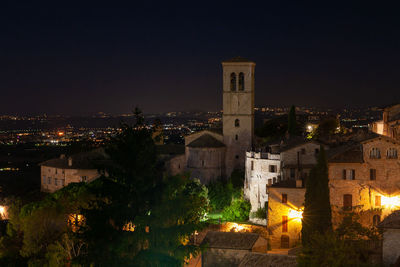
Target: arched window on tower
<point>237,123</point>
<point>241,81</point>
<point>233,81</point>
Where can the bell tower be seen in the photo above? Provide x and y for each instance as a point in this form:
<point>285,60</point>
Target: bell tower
<point>238,111</point>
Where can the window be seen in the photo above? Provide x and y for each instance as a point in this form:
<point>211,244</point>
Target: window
<point>62,182</point>
<point>84,179</point>
<point>347,202</point>
<point>284,224</point>
<point>284,198</point>
<point>56,171</point>
<point>344,174</point>
<point>241,81</point>
<point>202,163</point>
<point>274,180</point>
<point>237,123</point>
<point>252,165</point>
<point>372,174</point>
<point>63,171</point>
<point>233,81</point>
<point>237,157</point>
<point>284,241</point>
<point>55,181</point>
<point>292,173</point>
<point>375,153</point>
<point>236,137</point>
<point>376,220</point>
<point>303,151</point>
<point>44,179</point>
<point>272,168</point>
<point>316,151</point>
<point>377,201</point>
<point>352,174</point>
<point>391,153</point>
<point>49,180</point>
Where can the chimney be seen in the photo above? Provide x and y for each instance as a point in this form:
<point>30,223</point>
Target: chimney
<point>62,156</point>
<point>299,183</point>
<point>70,162</point>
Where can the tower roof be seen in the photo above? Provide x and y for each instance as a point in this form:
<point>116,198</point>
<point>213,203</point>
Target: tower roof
<point>238,59</point>
<point>206,140</point>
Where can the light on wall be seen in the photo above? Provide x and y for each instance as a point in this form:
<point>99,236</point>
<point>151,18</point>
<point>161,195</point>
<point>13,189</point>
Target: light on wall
<point>295,214</point>
<point>391,202</point>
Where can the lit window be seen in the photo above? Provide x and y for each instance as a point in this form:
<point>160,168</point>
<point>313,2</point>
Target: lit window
<point>233,81</point>
<point>284,224</point>
<point>377,201</point>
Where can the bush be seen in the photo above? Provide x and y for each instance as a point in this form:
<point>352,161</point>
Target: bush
<point>261,213</point>
<point>238,210</point>
<point>220,195</point>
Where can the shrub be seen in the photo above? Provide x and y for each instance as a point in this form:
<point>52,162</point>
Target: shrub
<point>261,213</point>
<point>238,210</point>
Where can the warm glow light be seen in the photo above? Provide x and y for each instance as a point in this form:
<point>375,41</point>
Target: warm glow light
<point>295,214</point>
<point>2,210</point>
<point>60,133</point>
<point>235,227</point>
<point>391,202</point>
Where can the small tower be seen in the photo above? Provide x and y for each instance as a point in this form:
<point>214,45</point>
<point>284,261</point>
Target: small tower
<point>238,111</point>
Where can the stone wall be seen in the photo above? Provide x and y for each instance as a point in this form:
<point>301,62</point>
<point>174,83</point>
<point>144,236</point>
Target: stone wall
<point>391,246</point>
<point>64,176</point>
<point>176,165</point>
<point>222,257</point>
<point>206,164</point>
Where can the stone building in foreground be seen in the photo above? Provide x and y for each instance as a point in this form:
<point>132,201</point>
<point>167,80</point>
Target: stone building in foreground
<point>210,154</point>
<point>364,176</point>
<point>59,172</point>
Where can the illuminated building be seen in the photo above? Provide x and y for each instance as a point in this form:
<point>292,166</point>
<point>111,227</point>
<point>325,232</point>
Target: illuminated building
<point>59,172</point>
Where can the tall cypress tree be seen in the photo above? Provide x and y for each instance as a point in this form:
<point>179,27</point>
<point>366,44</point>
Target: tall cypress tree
<point>292,121</point>
<point>317,217</point>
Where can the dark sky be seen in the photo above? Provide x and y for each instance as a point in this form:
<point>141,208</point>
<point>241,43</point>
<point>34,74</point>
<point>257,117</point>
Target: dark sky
<point>166,57</point>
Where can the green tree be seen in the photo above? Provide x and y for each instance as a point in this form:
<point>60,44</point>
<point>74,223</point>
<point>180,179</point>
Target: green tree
<point>163,210</point>
<point>292,124</point>
<point>239,210</point>
<point>317,216</point>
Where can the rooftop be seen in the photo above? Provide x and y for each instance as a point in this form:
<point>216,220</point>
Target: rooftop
<point>238,59</point>
<point>84,160</point>
<point>230,240</point>
<point>392,221</point>
<point>206,141</point>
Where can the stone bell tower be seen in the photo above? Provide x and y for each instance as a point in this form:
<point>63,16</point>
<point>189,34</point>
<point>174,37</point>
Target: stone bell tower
<point>238,111</point>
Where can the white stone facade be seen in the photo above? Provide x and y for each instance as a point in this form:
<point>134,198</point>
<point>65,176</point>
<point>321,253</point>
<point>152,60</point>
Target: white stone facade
<point>262,169</point>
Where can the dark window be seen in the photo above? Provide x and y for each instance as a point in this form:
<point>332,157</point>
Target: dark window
<point>376,220</point>
<point>391,153</point>
<point>303,151</point>
<point>49,180</point>
<point>292,173</point>
<point>233,81</point>
<point>377,201</point>
<point>202,163</point>
<point>272,168</point>
<point>375,153</point>
<point>252,165</point>
<point>274,180</point>
<point>237,123</point>
<point>347,202</point>
<point>284,224</point>
<point>237,156</point>
<point>284,241</point>
<point>284,198</point>
<point>241,81</point>
<point>344,174</point>
<point>316,151</point>
<point>372,174</point>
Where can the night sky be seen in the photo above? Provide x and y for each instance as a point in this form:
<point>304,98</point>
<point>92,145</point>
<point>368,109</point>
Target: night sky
<point>166,57</point>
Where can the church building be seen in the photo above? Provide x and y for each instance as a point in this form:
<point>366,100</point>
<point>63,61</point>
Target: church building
<point>211,154</point>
